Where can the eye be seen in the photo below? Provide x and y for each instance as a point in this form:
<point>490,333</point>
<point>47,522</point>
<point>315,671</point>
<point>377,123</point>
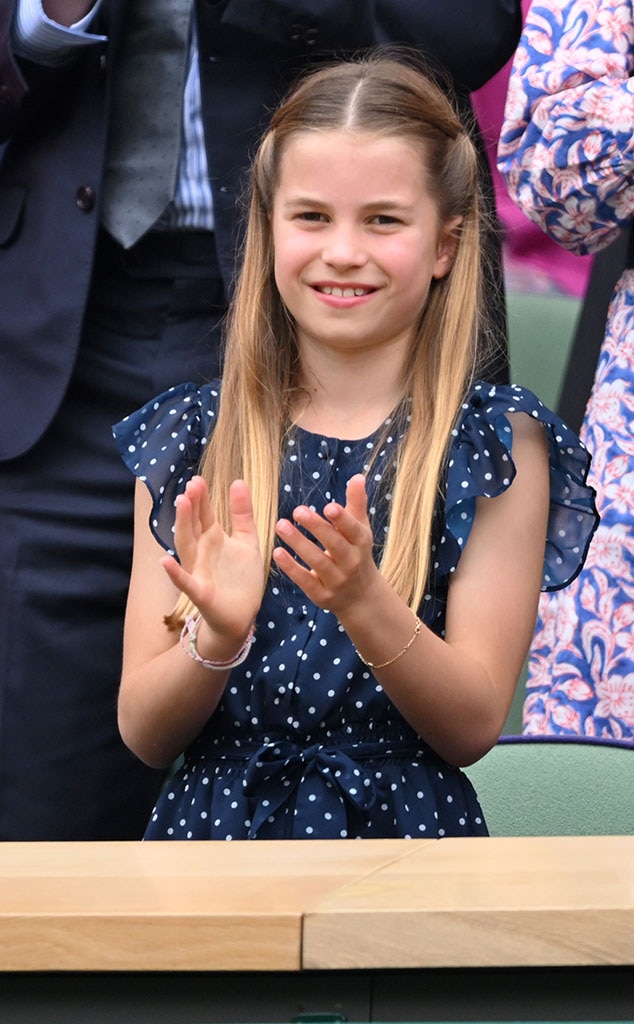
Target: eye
<point>383,220</point>
<point>311,217</point>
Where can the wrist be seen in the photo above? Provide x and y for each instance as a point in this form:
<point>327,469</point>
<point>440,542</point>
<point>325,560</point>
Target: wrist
<point>222,654</point>
<point>417,626</point>
<point>382,628</point>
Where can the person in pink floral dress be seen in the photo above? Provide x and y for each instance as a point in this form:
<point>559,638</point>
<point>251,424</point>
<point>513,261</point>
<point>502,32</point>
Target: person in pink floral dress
<point>567,154</point>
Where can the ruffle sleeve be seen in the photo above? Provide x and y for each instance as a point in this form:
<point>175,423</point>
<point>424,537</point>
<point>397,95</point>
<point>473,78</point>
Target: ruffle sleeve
<point>162,444</point>
<point>481,465</point>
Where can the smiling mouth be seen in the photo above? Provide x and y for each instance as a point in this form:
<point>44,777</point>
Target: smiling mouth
<point>343,293</point>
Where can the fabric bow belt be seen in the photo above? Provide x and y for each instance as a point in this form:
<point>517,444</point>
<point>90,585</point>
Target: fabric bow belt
<point>318,782</point>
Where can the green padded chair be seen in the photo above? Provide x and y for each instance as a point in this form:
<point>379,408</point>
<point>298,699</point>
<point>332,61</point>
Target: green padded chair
<point>554,786</point>
<point>540,329</point>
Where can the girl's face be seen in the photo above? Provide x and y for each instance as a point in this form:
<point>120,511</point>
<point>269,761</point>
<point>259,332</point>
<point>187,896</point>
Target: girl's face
<point>357,239</point>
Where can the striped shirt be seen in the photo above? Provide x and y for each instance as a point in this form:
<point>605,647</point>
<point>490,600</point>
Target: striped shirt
<point>39,39</point>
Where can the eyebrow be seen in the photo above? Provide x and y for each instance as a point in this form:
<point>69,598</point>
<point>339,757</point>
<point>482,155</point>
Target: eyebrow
<point>376,204</point>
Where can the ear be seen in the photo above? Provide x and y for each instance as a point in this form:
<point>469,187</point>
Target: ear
<point>447,246</point>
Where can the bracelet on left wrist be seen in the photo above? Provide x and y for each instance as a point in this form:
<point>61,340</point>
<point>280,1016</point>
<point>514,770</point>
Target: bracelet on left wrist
<point>383,664</point>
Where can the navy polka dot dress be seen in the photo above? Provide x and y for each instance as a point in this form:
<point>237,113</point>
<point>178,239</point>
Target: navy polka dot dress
<point>305,744</point>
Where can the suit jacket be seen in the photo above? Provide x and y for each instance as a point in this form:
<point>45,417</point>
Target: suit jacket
<point>54,126</point>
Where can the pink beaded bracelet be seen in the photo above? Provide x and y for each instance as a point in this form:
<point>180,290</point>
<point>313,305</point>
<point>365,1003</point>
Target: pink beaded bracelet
<point>189,636</point>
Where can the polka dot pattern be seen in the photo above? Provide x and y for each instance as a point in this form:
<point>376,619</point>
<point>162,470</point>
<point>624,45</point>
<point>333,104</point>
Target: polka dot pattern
<point>305,743</point>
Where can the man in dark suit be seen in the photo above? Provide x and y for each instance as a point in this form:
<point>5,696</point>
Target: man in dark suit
<point>92,326</point>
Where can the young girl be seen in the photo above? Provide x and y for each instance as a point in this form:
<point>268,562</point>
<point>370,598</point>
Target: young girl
<point>360,558</point>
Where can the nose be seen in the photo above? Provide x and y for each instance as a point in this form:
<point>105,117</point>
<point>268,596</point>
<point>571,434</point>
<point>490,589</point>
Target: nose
<point>344,248</point>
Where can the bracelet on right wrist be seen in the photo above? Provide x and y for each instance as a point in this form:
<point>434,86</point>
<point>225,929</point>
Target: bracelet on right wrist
<point>189,636</point>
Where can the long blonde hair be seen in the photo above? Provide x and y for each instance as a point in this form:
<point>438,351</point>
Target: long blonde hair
<point>377,95</point>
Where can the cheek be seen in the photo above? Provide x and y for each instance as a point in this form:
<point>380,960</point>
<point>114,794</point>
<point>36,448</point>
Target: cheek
<point>411,270</point>
<point>288,266</point>
<point>406,260</point>
<point>281,268</point>
<point>292,253</point>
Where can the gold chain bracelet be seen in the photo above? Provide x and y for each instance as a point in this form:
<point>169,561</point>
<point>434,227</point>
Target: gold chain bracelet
<point>384,664</point>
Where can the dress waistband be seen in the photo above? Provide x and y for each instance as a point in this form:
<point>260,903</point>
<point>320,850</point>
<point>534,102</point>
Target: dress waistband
<point>271,746</point>
<point>275,770</point>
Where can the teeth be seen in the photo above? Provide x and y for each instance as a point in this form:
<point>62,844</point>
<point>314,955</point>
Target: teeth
<point>344,293</point>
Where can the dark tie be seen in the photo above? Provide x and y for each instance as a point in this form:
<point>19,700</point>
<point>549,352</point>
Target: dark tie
<point>146,115</point>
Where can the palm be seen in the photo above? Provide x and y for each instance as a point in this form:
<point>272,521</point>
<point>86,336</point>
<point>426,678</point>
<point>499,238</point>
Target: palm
<point>221,573</point>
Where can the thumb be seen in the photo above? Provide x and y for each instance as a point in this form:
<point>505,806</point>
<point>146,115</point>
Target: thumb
<point>356,497</point>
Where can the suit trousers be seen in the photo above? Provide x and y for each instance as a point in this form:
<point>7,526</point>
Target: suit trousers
<point>66,517</point>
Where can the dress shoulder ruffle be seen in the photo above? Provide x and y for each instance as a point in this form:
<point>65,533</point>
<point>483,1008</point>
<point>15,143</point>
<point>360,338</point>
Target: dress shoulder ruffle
<point>163,443</point>
<point>481,465</point>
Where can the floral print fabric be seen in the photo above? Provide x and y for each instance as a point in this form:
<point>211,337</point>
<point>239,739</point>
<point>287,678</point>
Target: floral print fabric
<point>567,152</point>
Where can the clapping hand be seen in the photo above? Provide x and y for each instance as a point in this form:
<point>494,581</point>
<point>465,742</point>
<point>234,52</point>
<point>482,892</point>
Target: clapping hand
<point>338,567</point>
<point>221,573</point>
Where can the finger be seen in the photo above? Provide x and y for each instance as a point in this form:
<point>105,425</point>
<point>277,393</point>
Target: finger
<point>178,576</point>
<point>194,518</point>
<point>306,579</point>
<point>241,509</point>
<point>302,545</point>
<point>200,594</point>
<point>356,500</point>
<point>326,568</point>
<point>187,513</point>
<point>324,537</point>
<point>184,536</point>
<point>203,516</point>
<point>351,522</point>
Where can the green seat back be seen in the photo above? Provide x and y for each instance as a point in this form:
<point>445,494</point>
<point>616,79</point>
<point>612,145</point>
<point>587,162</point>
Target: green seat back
<point>540,329</point>
<point>549,786</point>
